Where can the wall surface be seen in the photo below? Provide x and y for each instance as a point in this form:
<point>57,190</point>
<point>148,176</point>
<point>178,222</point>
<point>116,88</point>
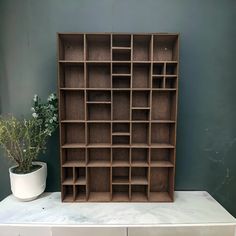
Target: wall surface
<point>206,140</point>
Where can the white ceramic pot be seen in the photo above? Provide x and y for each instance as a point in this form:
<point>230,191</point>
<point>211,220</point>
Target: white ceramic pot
<point>29,186</point>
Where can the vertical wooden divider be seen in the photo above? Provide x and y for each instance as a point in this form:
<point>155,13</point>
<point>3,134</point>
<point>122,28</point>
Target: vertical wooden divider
<point>111,92</point>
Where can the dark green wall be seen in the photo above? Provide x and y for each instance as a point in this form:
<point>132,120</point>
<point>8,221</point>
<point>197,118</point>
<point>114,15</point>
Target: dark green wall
<point>206,147</point>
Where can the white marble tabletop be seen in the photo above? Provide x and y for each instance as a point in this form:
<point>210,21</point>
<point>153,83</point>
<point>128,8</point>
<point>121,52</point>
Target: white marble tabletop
<point>189,207</point>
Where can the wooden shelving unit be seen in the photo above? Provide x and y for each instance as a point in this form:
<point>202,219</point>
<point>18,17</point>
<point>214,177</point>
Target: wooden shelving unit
<point>118,113</point>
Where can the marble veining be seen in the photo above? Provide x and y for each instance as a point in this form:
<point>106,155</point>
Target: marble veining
<point>190,207</point>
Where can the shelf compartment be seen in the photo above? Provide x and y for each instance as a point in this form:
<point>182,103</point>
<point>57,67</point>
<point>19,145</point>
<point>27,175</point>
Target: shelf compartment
<point>120,140</point>
<point>120,193</point>
<point>140,99</point>
<point>140,115</point>
<point>165,47</point>
<point>71,47</point>
<point>163,105</point>
<point>121,81</point>
<point>80,193</point>
<point>140,133</point>
<point>101,111</point>
<point>99,184</point>
<point>162,157</point>
<point>141,76</point>
<point>67,176</point>
<point>72,105</point>
<point>121,40</point>
<point>171,82</point>
<point>139,156</point>
<point>121,69</point>
<point>121,55</point>
<point>158,82</point>
<point>99,96</point>
<point>120,175</point>
<point>99,157</point>
<point>121,105</point>
<point>99,134</point>
<point>139,193</point>
<point>141,47</point>
<point>80,176</point>
<point>120,157</point>
<point>159,183</point>
<point>73,133</point>
<point>98,76</point>
<point>67,193</point>
<point>158,69</point>
<point>171,69</point>
<point>120,128</point>
<point>72,76</point>
<point>98,47</point>
<point>139,175</point>
<point>73,157</point>
<point>162,133</point>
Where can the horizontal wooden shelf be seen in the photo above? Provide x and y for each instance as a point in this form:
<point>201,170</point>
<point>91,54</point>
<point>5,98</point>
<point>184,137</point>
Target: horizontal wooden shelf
<point>139,164</point>
<point>121,134</point>
<point>117,89</point>
<point>161,164</point>
<point>73,145</point>
<point>99,196</point>
<point>98,102</point>
<point>120,163</point>
<point>120,180</point>
<point>121,75</point>
<point>68,181</point>
<point>121,48</point>
<point>139,197</point>
<point>80,181</point>
<point>140,108</point>
<point>74,164</point>
<point>99,164</point>
<point>139,180</point>
<point>159,197</point>
<point>120,197</point>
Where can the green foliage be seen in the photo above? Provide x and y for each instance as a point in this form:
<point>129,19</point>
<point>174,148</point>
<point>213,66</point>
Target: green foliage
<point>24,139</point>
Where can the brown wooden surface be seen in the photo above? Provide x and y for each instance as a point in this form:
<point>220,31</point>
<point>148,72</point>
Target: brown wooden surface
<point>118,116</point>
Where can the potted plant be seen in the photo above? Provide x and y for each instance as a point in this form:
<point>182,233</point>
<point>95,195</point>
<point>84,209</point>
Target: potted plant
<point>23,140</point>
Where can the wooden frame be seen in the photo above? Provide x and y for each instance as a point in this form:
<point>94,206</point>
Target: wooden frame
<point>118,112</point>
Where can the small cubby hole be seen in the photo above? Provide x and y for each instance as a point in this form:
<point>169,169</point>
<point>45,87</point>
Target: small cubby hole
<point>158,82</point>
<point>98,47</point>
<point>67,175</point>
<point>121,40</point>
<point>158,69</point>
<point>139,193</point>
<point>171,82</point>
<point>80,193</point>
<point>140,175</point>
<point>171,69</point>
<point>164,105</point>
<point>121,55</point>
<point>99,96</point>
<point>120,175</point>
<point>140,133</point>
<point>120,139</point>
<point>163,133</point>
<point>121,105</point>
<point>71,76</point>
<point>140,115</point>
<point>161,155</point>
<point>72,105</point>
<point>139,156</point>
<point>141,76</point>
<point>80,175</point>
<point>159,179</point>
<point>68,193</point>
<point>73,133</point>
<point>99,183</point>
<point>121,81</point>
<point>141,99</point>
<point>71,47</point>
<point>99,156</point>
<point>121,68</point>
<point>99,133</point>
<point>98,76</point>
<point>165,48</point>
<point>73,156</point>
<point>120,128</point>
<point>99,111</point>
<point>120,193</point>
<point>142,47</point>
<point>120,156</point>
